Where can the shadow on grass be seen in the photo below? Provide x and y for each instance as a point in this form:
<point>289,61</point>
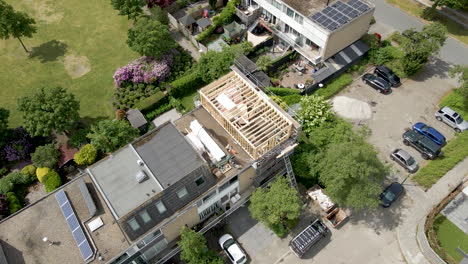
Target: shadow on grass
<point>49,51</point>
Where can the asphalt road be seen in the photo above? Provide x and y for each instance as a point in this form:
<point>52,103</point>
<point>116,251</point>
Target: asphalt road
<point>393,18</point>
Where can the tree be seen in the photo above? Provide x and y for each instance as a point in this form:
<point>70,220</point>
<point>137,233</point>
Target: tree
<point>278,206</point>
<point>15,24</point>
<point>49,109</point>
<point>160,15</point>
<point>264,62</point>
<point>108,135</point>
<point>314,111</point>
<point>419,46</point>
<point>51,181</point>
<point>86,156</point>
<point>45,156</point>
<point>130,8</point>
<point>150,38</point>
<point>351,173</point>
<point>455,4</point>
<point>193,248</point>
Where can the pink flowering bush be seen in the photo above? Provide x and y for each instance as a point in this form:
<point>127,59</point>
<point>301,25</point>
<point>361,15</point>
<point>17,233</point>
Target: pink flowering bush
<point>145,70</point>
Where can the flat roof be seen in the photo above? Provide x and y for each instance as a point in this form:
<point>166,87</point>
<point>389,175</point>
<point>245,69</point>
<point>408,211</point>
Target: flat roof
<point>21,234</point>
<point>168,154</point>
<point>116,177</point>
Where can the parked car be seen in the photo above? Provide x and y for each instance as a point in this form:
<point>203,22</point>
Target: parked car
<point>377,83</point>
<point>427,148</point>
<point>404,159</point>
<point>430,132</point>
<point>451,118</point>
<point>232,249</point>
<point>391,194</point>
<point>388,75</point>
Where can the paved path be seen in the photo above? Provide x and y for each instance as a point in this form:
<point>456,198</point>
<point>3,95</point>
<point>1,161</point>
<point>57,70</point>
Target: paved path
<point>415,248</point>
<point>186,44</point>
<point>394,19</point>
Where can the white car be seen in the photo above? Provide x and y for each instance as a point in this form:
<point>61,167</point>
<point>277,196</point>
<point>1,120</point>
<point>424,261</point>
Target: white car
<point>232,249</point>
<point>451,118</point>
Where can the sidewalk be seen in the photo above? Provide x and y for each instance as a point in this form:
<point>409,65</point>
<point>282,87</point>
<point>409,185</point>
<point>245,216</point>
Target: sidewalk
<point>410,233</point>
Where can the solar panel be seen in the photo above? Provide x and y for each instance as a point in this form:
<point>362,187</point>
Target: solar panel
<point>74,225</point>
<point>358,5</point>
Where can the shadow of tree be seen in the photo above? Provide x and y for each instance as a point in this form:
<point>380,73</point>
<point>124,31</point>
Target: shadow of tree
<point>434,68</point>
<point>49,51</point>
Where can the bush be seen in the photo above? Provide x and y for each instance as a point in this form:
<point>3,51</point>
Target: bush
<point>291,99</point>
<point>14,204</point>
<point>186,85</point>
<point>17,178</point>
<point>283,91</point>
<point>264,62</point>
<point>382,56</point>
<point>161,109</point>
<point>41,172</point>
<point>78,138</point>
<point>151,102</point>
<point>52,181</point>
<point>3,171</point>
<point>335,86</point>
<point>280,102</point>
<point>372,21</point>
<point>5,185</point>
<point>29,171</point>
<point>45,156</point>
<point>86,156</point>
<point>205,34</point>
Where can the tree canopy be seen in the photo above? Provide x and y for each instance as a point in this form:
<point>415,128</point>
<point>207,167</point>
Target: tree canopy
<point>314,111</point>
<point>278,206</point>
<point>130,8</point>
<point>49,109</point>
<point>86,156</point>
<point>109,135</point>
<point>193,248</point>
<point>455,4</point>
<point>45,156</point>
<point>150,38</point>
<point>15,24</point>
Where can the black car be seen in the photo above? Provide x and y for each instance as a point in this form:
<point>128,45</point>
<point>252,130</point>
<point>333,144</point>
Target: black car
<point>377,83</point>
<point>387,74</point>
<point>391,194</point>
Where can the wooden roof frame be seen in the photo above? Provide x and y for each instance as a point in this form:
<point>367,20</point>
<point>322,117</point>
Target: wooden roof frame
<point>256,122</point>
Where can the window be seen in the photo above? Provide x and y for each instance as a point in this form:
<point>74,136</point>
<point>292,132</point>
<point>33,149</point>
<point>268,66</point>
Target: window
<point>277,4</point>
<point>299,19</point>
<point>289,12</point>
<point>209,196</point>
<point>199,181</point>
<point>161,208</point>
<point>182,193</point>
<point>133,224</point>
<point>224,186</point>
<point>233,180</point>
<point>145,216</point>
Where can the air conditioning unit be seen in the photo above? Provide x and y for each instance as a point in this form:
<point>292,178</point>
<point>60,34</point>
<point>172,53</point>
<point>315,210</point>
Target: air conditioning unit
<point>141,176</point>
<point>141,163</point>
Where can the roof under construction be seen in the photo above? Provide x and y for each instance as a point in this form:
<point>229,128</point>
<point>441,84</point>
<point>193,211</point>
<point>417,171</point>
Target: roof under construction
<point>247,114</point>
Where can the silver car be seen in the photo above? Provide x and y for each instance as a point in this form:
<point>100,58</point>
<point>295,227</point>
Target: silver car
<point>451,118</point>
<point>404,159</point>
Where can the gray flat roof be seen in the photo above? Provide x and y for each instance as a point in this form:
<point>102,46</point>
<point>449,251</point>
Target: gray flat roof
<point>116,177</point>
<point>168,154</point>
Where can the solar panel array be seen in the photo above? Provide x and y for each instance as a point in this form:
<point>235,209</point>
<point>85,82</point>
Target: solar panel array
<point>74,225</point>
<point>340,13</point>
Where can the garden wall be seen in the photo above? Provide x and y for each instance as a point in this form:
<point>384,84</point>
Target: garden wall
<point>175,24</point>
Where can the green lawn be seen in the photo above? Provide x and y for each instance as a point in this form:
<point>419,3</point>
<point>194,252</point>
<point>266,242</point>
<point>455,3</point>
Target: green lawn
<point>450,237</point>
<point>187,101</point>
<point>72,37</point>
<point>455,101</point>
<point>416,9</point>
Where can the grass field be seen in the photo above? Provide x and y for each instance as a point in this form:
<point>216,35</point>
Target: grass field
<point>450,237</point>
<point>78,45</point>
<point>416,9</point>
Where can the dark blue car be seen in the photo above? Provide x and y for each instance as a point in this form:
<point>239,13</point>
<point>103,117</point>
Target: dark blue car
<point>430,133</point>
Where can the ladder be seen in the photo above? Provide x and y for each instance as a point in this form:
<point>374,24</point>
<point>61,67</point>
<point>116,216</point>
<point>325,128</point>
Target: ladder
<point>289,171</point>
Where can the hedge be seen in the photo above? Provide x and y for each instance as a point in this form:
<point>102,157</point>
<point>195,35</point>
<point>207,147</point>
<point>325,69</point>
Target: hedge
<point>335,86</point>
<point>151,102</point>
<point>208,32</point>
<point>291,99</point>
<point>283,91</point>
<point>52,181</point>
<point>161,109</point>
<point>186,84</point>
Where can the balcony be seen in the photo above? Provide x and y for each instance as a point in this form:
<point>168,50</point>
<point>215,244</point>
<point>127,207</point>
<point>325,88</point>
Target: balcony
<point>248,14</point>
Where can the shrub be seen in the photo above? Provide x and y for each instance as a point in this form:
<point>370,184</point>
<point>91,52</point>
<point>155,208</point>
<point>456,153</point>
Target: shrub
<point>382,56</point>
<point>186,84</point>
<point>19,145</point>
<point>177,104</point>
<point>144,70</point>
<point>78,138</point>
<point>3,171</point>
<point>45,156</point>
<point>205,34</point>
<point>151,102</point>
<point>17,178</point>
<point>335,86</point>
<point>86,156</point>
<point>283,91</point>
<point>280,102</point>
<point>161,109</point>
<point>52,181</point>
<point>41,172</point>
<point>14,204</point>
<point>372,21</point>
<point>5,185</point>
<point>291,99</point>
<point>29,170</point>
<point>264,62</point>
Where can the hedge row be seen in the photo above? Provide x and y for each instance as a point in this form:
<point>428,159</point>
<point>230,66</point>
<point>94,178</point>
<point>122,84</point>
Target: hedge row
<point>335,86</point>
<point>283,91</point>
<point>152,102</point>
<point>186,84</point>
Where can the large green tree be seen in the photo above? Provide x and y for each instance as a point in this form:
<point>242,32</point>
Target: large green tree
<point>351,173</point>
<point>45,156</point>
<point>130,8</point>
<point>193,248</point>
<point>49,109</point>
<point>314,112</point>
<point>455,4</point>
<point>15,24</point>
<point>150,38</point>
<point>278,206</point>
<point>109,135</point>
<point>420,45</point>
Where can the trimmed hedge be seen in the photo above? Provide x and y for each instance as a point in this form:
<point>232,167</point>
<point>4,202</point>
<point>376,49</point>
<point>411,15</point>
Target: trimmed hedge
<point>161,109</point>
<point>52,181</point>
<point>291,99</point>
<point>152,102</point>
<point>186,84</point>
<point>283,91</point>
<point>335,86</point>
